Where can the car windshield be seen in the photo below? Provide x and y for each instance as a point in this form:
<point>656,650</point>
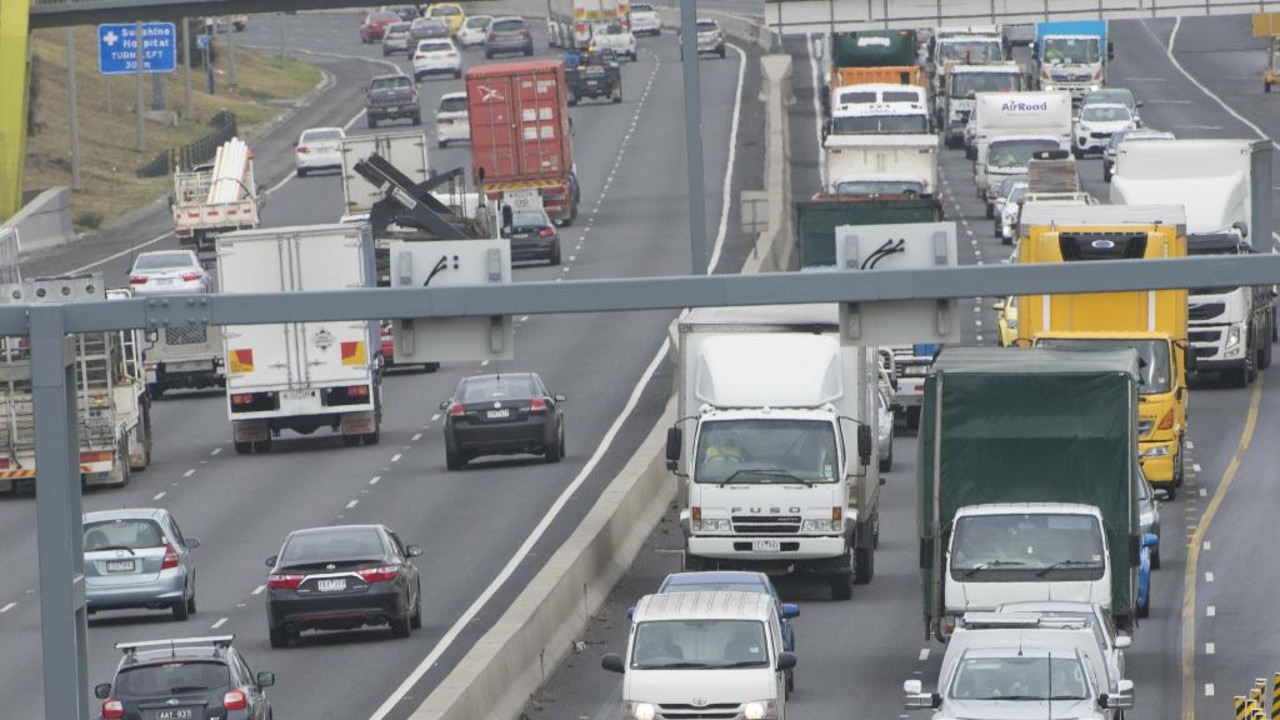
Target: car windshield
<point>527,218</point>
<point>501,387</point>
<point>453,104</point>
<point>390,83</point>
<point>1016,153</point>
<point>125,533</point>
<point>1105,113</point>
<point>964,85</point>
<point>1153,357</point>
<point>880,125</point>
<point>507,25</point>
<point>1073,51</point>
<point>162,261</point>
<point>322,135</point>
<point>708,644</point>
<point>1021,677</point>
<point>1017,541</point>
<point>171,678</point>
<point>1015,195</point>
<point>976,52</point>
<point>334,546</point>
<point>767,451</point>
<point>879,187</point>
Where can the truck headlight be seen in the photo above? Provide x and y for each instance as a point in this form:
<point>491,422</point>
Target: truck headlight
<point>640,710</point>
<point>1155,452</point>
<point>816,525</point>
<point>1048,86</point>
<point>760,710</point>
<point>1233,338</point>
<point>713,525</point>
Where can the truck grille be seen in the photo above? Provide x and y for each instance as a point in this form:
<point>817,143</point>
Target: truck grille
<point>714,711</point>
<point>186,335</point>
<point>766,524</point>
<point>1205,311</point>
<point>1204,336</point>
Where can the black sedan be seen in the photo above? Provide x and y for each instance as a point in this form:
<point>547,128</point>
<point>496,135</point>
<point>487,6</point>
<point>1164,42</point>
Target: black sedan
<point>533,236</point>
<point>342,577</point>
<point>503,414</point>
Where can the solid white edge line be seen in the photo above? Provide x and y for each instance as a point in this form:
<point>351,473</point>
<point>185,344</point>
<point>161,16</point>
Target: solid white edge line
<point>726,197</point>
<point>523,551</point>
<point>446,641</point>
<point>1173,40</point>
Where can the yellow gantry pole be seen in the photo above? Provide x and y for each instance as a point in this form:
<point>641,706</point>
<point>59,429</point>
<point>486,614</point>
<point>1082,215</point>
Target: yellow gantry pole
<point>14,22</point>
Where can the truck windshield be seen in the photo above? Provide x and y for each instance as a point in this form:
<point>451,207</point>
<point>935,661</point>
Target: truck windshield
<point>699,644</point>
<point>1016,153</point>
<point>1154,356</point>
<point>879,187</point>
<point>767,451</point>
<point>1021,677</point>
<point>1071,51</point>
<point>964,85</point>
<point>976,52</point>
<point>1021,542</point>
<point>880,125</point>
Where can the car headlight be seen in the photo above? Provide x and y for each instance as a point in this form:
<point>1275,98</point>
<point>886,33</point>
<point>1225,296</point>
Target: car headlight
<point>760,710</point>
<point>1233,337</point>
<point>640,710</point>
<point>713,525</point>
<point>820,525</point>
<point>1157,451</point>
<point>1082,128</point>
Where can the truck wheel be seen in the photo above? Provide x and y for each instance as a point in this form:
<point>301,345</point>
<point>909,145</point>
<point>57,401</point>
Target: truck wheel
<point>864,566</point>
<point>373,437</point>
<point>913,418</point>
<point>1264,356</point>
<point>842,585</point>
<point>572,98</point>
<point>262,446</point>
<point>350,440</point>
<point>244,448</point>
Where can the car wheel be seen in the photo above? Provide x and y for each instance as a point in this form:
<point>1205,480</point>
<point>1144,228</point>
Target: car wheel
<point>791,682</point>
<point>887,464</point>
<point>279,638</point>
<point>372,123</point>
<point>262,446</point>
<point>488,55</point>
<point>180,611</point>
<point>551,453</point>
<point>417,119</point>
<point>400,625</point>
<point>555,255</point>
<point>617,94</point>
<point>721,53</point>
<point>302,172</point>
<point>350,440</point>
<point>991,213</point>
<point>1155,557</point>
<point>528,52</point>
<point>1144,610</point>
<point>442,144</point>
<point>1106,174</point>
<point>457,74</point>
<point>453,460</point>
<point>244,448</point>
<point>415,620</point>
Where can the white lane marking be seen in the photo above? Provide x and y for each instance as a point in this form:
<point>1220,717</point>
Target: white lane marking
<point>1191,445</point>
<point>924,654</point>
<point>483,363</point>
<point>1204,492</point>
<point>1208,689</point>
<point>8,607</point>
<point>216,451</point>
<point>1168,102</point>
<point>218,624</point>
<point>189,473</point>
<point>1195,466</point>
<point>1210,611</point>
<point>352,504</point>
<point>374,480</point>
<point>416,437</point>
<point>158,495</point>
<point>1198,127</point>
<point>464,620</point>
<point>1210,649</point>
<point>395,458</point>
<point>1208,576</point>
<point>434,418</point>
<point>259,590</point>
<point>1206,545</point>
<point>809,42</point>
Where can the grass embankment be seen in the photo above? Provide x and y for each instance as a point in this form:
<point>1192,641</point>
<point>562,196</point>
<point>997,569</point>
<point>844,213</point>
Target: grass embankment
<point>109,158</point>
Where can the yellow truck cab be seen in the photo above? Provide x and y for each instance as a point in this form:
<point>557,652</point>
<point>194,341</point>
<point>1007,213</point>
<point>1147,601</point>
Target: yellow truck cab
<point>1152,322</point>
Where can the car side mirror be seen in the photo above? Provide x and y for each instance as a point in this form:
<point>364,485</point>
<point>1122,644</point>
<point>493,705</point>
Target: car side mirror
<point>413,551</point>
<point>786,660</point>
<point>1138,104</point>
<point>266,679</point>
<point>1122,699</point>
<point>271,561</point>
<point>444,405</point>
<point>790,610</point>
<point>613,663</point>
<point>102,691</point>
<point>631,611</point>
<point>191,543</point>
<point>559,397</point>
<point>1123,642</point>
<point>675,444</point>
<point>864,445</point>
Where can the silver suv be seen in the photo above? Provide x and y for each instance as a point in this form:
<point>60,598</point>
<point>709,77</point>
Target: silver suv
<point>508,35</point>
<point>710,38</point>
<point>138,558</point>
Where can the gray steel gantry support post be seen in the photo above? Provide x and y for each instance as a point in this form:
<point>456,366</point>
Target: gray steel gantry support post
<point>64,623</point>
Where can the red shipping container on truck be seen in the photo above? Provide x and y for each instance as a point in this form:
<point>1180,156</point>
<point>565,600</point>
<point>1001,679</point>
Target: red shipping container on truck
<point>519,123</point>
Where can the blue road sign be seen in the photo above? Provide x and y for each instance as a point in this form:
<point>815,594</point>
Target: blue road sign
<point>202,42</point>
<point>118,48</point>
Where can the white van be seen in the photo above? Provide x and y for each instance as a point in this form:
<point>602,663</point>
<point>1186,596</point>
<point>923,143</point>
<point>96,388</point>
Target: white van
<point>715,651</point>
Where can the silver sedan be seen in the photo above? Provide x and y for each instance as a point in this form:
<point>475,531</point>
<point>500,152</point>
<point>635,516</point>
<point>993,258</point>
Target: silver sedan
<point>168,271</point>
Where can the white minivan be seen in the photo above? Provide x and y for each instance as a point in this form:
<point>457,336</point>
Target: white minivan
<point>718,651</point>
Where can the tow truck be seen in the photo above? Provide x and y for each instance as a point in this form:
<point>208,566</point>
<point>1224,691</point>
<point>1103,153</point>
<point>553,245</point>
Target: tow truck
<point>594,74</point>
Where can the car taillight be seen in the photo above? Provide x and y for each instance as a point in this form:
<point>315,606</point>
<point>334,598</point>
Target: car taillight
<point>112,710</point>
<point>188,276</point>
<point>457,410</point>
<point>284,581</point>
<point>537,405</point>
<point>368,97</point>
<point>493,36</point>
<point>546,232</point>
<point>137,280</point>
<point>524,33</point>
<point>419,56</point>
<point>303,149</point>
<point>235,700</point>
<point>170,557</point>
<point>382,573</point>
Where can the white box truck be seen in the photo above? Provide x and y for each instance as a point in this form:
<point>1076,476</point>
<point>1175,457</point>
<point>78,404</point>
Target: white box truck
<point>777,432</point>
<point>300,376</point>
<point>407,151</point>
<point>1225,186</point>
<point>1011,127</point>
<point>882,164</point>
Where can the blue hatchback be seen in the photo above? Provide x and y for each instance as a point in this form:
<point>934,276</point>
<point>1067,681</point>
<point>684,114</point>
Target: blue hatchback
<point>738,581</point>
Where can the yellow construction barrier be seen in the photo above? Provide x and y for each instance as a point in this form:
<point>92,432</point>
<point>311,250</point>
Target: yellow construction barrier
<point>14,27</point>
<point>1275,697</point>
<point>1241,706</point>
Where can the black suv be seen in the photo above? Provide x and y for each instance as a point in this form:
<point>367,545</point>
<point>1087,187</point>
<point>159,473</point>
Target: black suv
<point>199,678</point>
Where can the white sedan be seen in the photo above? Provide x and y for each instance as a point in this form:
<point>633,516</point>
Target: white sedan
<point>168,271</point>
<point>615,37</point>
<point>452,119</point>
<point>1096,123</point>
<point>318,149</point>
<point>438,55</point>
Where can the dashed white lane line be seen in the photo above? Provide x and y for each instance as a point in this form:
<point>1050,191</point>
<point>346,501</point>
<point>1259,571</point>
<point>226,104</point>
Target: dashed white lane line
<point>435,417</point>
<point>159,495</point>
<point>416,437</point>
<point>1208,576</point>
<point>8,607</point>
<point>1210,611</point>
<point>1206,545</point>
<point>1208,690</point>
<point>189,473</point>
<point>259,590</point>
<point>220,623</point>
<point>1210,649</point>
<point>374,480</point>
<point>352,504</point>
<point>924,654</point>
<point>216,451</point>
<point>395,458</point>
<point>1195,466</point>
<point>1191,445</point>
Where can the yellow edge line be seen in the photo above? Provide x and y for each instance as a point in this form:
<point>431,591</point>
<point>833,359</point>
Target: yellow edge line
<point>1193,555</point>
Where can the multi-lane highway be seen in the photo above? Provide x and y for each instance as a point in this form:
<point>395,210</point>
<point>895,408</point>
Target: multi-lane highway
<point>634,222</point>
<point>1212,628</point>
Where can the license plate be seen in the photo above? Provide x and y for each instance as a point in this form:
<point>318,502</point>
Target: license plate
<point>335,585</point>
<point>119,566</point>
<point>393,108</point>
<point>189,366</point>
<point>174,714</point>
<point>499,414</point>
<point>766,545</point>
<point>165,281</point>
<point>522,199</point>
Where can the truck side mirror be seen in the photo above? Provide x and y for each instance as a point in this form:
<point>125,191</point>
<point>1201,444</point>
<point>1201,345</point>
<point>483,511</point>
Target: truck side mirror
<point>864,445</point>
<point>613,663</point>
<point>786,660</point>
<point>675,443</point>
<point>1111,50</point>
<point>1189,359</point>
